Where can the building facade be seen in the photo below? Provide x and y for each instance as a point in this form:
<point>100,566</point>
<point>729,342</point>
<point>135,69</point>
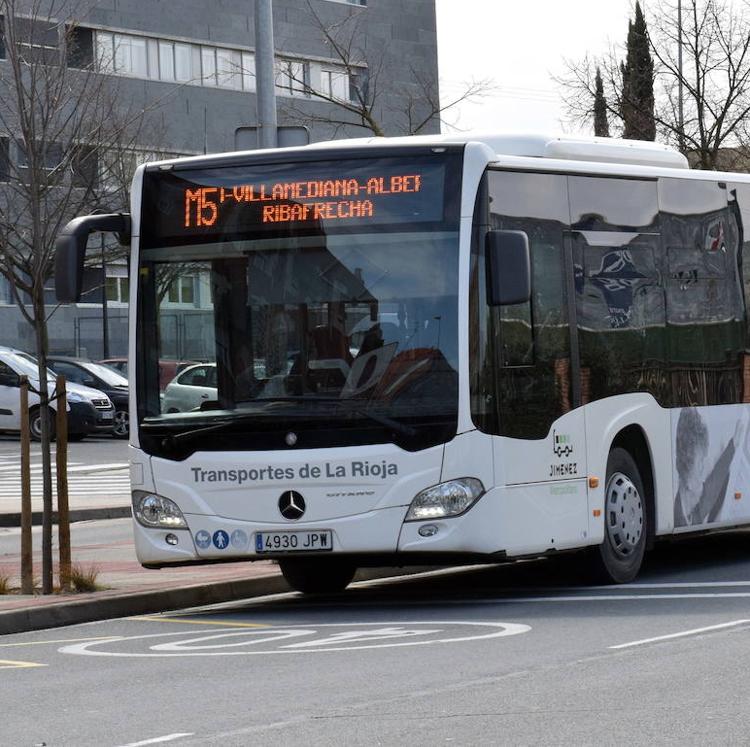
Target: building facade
<point>191,65</point>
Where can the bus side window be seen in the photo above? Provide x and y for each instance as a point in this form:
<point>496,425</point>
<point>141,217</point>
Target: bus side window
<point>739,208</point>
<point>619,291</point>
<point>522,369</point>
<point>705,309</point>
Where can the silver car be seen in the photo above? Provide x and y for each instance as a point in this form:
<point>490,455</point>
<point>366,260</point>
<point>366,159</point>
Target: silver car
<point>191,388</point>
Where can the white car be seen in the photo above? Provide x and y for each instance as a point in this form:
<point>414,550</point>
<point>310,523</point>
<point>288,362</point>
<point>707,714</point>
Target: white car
<point>190,389</point>
<point>88,409</point>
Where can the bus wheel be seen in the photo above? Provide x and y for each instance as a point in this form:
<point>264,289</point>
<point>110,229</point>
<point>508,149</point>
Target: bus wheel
<point>317,576</point>
<point>618,559</point>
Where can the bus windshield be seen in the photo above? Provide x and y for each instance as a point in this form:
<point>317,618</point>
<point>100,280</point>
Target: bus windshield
<point>319,332</point>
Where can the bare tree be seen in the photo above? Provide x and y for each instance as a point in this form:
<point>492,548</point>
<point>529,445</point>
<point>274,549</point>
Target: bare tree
<point>57,114</point>
<point>356,88</point>
<point>715,78</point>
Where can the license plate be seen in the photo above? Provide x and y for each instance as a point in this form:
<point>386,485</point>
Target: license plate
<point>293,541</point>
<point>106,416</point>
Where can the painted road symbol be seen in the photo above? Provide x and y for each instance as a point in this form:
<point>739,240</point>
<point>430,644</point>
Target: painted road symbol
<point>286,639</point>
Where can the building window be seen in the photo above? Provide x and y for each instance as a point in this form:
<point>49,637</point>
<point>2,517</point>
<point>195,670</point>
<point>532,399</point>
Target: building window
<point>248,71</point>
<point>4,159</point>
<point>105,58</point>
<point>85,166</point>
<point>162,59</point>
<point>335,84</point>
<point>118,289</point>
<point>229,68</point>
<point>130,55</point>
<point>80,47</point>
<point>183,63</point>
<point>6,295</point>
<point>51,158</point>
<point>2,37</point>
<point>182,290</point>
<point>208,64</point>
<point>291,78</point>
<point>166,60</point>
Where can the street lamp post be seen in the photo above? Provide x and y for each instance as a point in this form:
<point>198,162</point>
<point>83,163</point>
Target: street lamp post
<point>264,74</point>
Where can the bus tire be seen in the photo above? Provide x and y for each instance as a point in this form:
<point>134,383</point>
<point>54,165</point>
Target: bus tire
<point>619,557</point>
<point>317,576</point>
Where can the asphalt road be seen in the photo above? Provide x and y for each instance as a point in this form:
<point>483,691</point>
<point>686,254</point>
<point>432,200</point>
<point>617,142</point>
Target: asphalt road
<point>512,655</point>
<point>98,474</point>
<point>94,449</point>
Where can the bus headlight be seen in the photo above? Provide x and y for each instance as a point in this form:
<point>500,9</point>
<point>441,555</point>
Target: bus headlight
<point>152,510</point>
<point>446,499</point>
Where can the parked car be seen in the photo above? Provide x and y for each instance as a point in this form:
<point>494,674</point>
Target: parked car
<point>89,410</point>
<point>119,364</point>
<point>95,375</point>
<point>195,385</point>
<point>168,369</point>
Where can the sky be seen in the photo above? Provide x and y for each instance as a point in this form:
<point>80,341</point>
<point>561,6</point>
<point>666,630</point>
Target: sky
<point>520,46</point>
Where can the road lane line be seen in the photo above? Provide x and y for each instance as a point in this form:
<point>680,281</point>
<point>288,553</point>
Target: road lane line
<point>11,664</point>
<point>62,640</point>
<point>100,467</point>
<point>391,580</point>
<point>160,740</point>
<point>148,618</point>
<point>676,585</point>
<point>682,634</point>
<point>468,601</point>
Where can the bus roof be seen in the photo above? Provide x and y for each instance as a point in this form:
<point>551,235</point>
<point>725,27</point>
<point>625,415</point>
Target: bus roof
<point>593,155</point>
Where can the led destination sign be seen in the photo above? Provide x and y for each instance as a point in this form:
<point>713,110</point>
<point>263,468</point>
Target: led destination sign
<point>289,202</point>
<point>256,201</point>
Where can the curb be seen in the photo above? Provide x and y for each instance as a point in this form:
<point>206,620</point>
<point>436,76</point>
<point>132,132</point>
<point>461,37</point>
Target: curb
<point>137,603</point>
<point>76,514</point>
<point>75,612</point>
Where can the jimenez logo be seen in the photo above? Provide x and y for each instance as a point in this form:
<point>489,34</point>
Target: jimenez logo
<point>561,444</point>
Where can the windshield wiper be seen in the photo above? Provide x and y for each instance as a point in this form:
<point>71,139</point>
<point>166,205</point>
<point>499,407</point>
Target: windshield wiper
<point>376,417</point>
<point>218,425</point>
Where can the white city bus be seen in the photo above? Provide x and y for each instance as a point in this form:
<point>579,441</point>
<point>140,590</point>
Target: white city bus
<point>433,349</point>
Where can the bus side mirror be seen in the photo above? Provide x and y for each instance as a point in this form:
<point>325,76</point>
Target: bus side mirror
<point>70,250</point>
<point>508,268</point>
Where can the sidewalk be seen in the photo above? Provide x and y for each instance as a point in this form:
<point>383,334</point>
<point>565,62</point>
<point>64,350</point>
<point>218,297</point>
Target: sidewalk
<point>129,589</point>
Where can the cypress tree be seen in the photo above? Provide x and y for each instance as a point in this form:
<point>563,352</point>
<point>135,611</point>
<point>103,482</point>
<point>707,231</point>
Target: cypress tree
<point>601,125</point>
<point>637,105</point>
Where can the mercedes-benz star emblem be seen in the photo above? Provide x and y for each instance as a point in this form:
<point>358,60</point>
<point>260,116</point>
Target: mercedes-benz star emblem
<point>291,439</point>
<point>291,505</point>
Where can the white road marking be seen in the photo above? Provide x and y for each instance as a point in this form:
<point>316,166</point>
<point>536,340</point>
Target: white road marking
<point>682,634</point>
<point>113,467</point>
<point>161,740</point>
<point>113,485</point>
<point>498,630</point>
<point>675,585</point>
<point>391,580</point>
<point>61,640</point>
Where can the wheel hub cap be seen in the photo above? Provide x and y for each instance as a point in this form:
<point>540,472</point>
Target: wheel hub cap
<point>624,514</point>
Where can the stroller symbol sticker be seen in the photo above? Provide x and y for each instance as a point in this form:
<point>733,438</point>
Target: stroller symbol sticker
<point>203,539</point>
